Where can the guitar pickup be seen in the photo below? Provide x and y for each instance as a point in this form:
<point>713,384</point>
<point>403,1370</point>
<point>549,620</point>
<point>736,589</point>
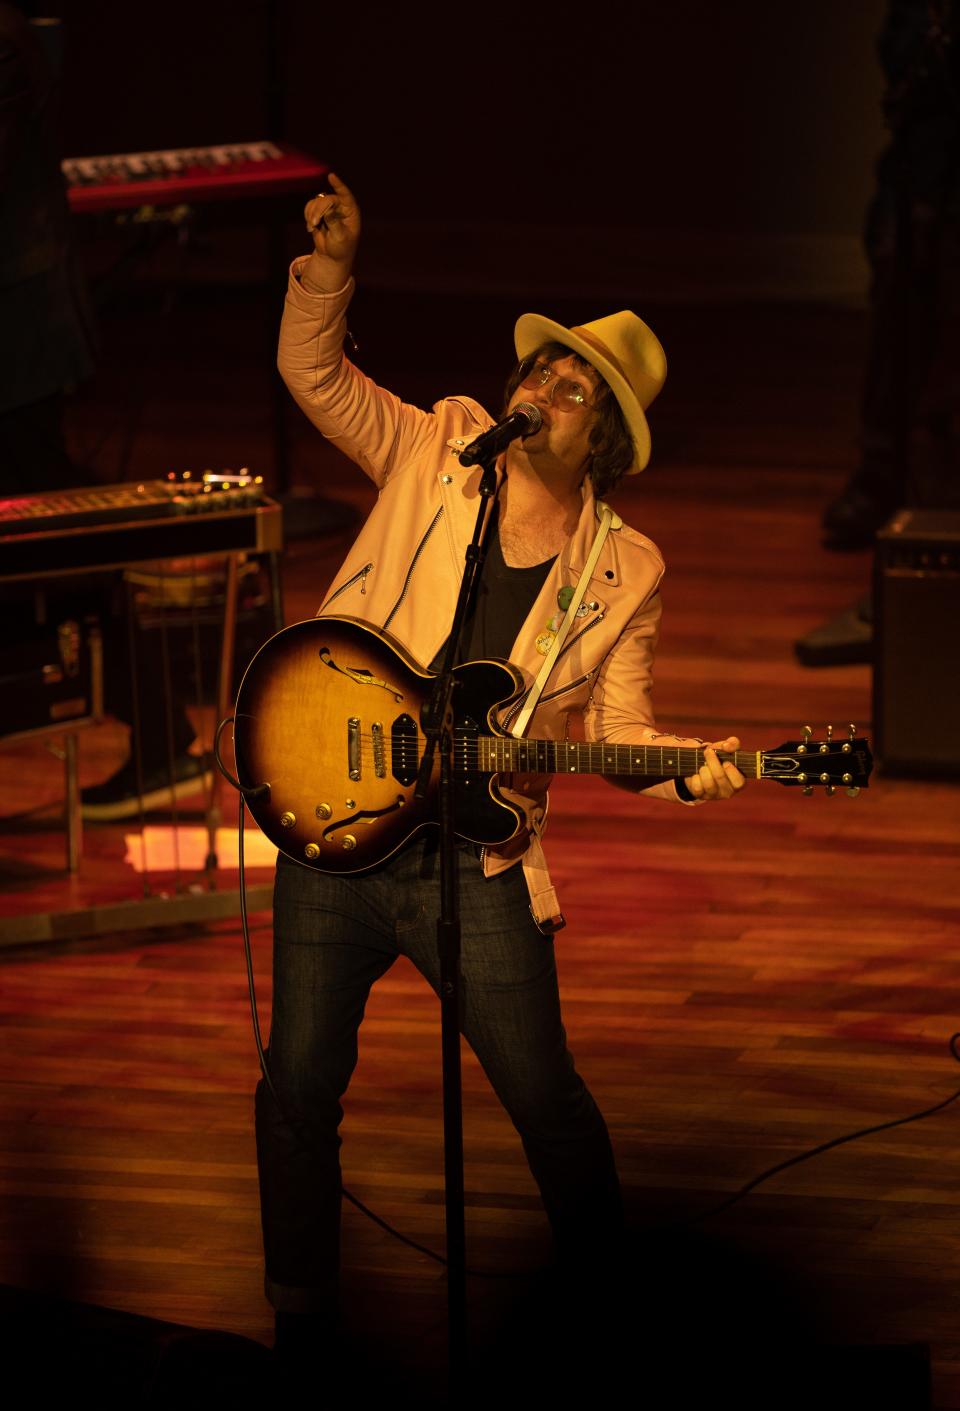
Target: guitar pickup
<point>404,749</point>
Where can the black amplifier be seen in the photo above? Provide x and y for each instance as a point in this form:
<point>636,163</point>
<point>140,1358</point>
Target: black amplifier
<point>916,680</point>
<point>51,676</point>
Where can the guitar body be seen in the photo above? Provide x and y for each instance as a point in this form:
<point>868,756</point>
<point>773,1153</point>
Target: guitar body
<point>329,716</point>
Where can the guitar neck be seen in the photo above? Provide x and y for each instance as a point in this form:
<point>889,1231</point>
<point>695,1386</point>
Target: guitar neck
<point>500,754</point>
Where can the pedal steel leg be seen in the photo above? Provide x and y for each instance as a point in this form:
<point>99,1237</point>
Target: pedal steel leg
<point>224,699</point>
<point>72,804</point>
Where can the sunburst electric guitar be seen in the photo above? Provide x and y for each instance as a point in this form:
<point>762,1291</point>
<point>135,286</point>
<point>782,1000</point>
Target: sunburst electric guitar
<point>328,738</point>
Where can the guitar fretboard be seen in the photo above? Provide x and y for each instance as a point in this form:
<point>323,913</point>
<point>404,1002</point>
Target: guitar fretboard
<point>505,755</point>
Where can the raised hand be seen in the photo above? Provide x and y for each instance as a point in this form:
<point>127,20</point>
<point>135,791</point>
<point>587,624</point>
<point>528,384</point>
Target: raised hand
<point>333,223</point>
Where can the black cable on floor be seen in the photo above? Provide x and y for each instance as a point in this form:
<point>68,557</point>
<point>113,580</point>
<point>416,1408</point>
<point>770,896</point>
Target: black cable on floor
<point>828,1146</point>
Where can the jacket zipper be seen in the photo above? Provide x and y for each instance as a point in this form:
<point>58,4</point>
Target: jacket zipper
<point>518,705</point>
<point>413,563</point>
<point>361,574</point>
<point>575,638</point>
<point>551,695</point>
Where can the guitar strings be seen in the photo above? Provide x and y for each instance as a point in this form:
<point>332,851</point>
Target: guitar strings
<point>482,754</point>
<point>408,744</point>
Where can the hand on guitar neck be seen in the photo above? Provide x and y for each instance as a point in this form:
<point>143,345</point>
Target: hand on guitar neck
<point>715,779</point>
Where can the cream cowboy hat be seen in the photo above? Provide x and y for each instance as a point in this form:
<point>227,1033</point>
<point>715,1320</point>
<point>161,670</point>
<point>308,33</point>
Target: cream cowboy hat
<point>625,352</point>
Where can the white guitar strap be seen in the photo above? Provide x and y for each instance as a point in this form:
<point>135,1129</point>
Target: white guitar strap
<point>609,519</point>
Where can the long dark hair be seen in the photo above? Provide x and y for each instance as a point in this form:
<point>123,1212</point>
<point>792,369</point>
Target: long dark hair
<point>611,445</point>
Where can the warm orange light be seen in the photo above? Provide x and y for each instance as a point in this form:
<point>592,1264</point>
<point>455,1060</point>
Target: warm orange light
<point>157,851</point>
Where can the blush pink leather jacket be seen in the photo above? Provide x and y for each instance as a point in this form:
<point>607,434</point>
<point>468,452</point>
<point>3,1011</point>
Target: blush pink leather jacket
<point>404,569</point>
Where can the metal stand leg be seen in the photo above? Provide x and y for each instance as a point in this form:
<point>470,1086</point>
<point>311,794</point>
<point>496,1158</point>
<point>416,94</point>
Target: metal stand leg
<point>224,696</point>
<point>72,804</point>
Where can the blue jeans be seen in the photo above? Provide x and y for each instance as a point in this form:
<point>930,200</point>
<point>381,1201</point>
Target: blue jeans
<point>333,937</point>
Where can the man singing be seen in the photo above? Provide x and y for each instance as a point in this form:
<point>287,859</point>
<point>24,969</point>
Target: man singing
<point>335,935</point>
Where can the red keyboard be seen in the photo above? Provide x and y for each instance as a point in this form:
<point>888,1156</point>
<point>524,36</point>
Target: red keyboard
<point>189,174</point>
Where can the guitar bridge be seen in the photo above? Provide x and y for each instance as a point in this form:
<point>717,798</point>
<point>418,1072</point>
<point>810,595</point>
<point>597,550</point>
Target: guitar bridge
<point>379,753</point>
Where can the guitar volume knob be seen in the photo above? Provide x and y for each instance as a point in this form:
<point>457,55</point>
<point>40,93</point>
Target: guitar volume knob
<point>312,851</point>
<point>324,810</point>
<point>349,842</point>
<point>287,819</point>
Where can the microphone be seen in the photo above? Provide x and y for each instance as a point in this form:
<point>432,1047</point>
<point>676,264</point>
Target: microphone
<point>524,420</point>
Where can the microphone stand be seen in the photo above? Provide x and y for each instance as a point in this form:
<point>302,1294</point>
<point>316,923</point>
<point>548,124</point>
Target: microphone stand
<point>438,720</point>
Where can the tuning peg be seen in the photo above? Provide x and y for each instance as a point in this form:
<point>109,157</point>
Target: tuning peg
<point>852,731</point>
<point>852,792</point>
<point>807,732</point>
<point>825,748</point>
<point>830,790</point>
<point>808,790</point>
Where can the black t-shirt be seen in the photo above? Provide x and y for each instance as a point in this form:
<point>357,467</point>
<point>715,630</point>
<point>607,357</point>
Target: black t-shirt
<point>501,604</point>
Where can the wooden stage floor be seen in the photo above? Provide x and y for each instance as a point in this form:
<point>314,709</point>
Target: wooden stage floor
<point>740,983</point>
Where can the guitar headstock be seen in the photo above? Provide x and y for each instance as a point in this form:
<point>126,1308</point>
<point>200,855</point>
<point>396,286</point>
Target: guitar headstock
<point>821,764</point>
